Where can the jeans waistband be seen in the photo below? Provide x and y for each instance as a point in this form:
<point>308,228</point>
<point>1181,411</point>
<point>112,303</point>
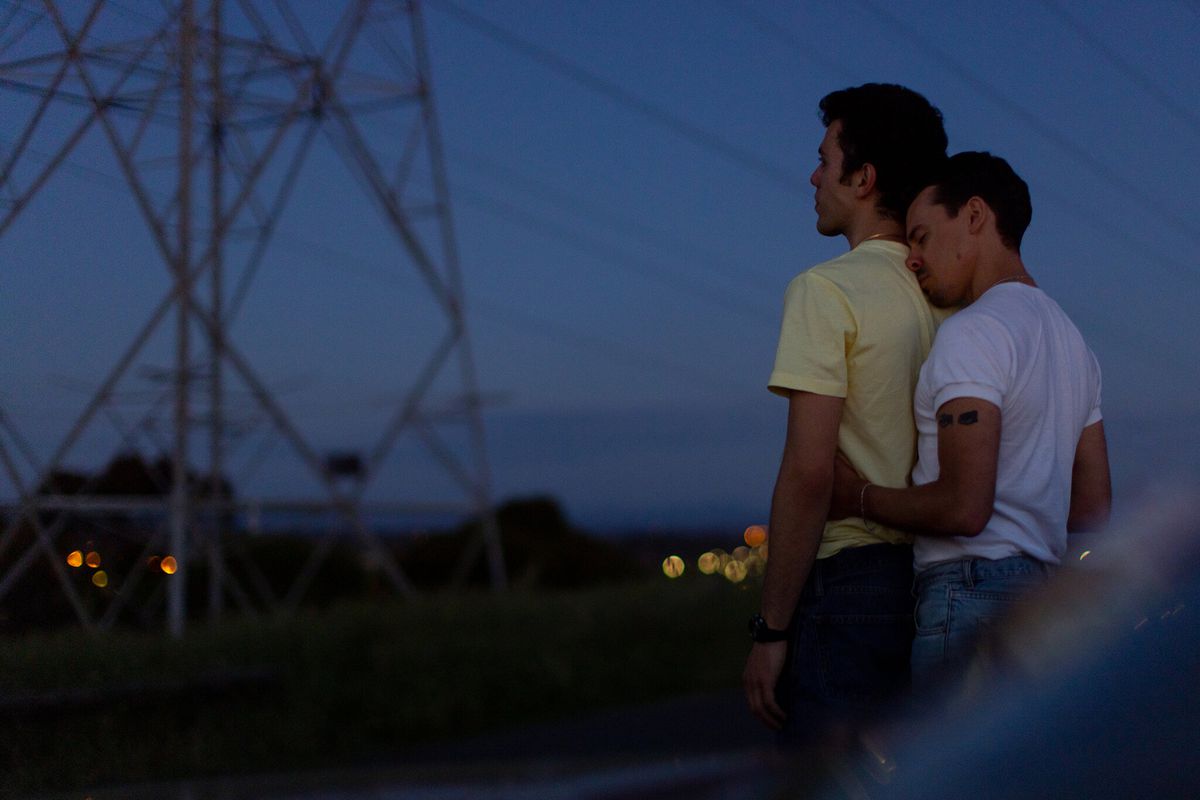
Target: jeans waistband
<point>854,561</point>
<point>972,570</point>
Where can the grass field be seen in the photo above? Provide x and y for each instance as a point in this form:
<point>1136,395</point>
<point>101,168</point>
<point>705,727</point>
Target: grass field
<point>353,682</point>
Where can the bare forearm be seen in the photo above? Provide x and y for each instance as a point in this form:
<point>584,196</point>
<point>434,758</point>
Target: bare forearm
<point>797,523</point>
<point>1091,484</point>
<point>934,509</point>
<point>798,509</point>
<point>1090,516</point>
<point>959,501</point>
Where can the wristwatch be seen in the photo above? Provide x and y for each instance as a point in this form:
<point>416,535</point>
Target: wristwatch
<point>759,631</point>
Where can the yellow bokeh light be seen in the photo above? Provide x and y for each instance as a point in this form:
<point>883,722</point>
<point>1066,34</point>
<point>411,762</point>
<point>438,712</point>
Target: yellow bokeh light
<point>741,553</point>
<point>708,563</point>
<point>75,559</point>
<point>93,559</point>
<point>100,578</point>
<point>722,559</point>
<point>755,535</point>
<point>168,565</point>
<point>735,571</point>
<point>672,566</point>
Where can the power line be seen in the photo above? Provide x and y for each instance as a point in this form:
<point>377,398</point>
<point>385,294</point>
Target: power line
<point>517,318</point>
<point>559,332</point>
<point>1185,115</point>
<point>33,18</point>
<point>930,48</point>
<point>504,313</point>
<point>775,31</point>
<point>656,114</point>
<point>1136,245</point>
<point>673,279</point>
<point>591,209</point>
<point>510,315</point>
<point>685,283</point>
<point>1118,233</point>
<point>610,349</point>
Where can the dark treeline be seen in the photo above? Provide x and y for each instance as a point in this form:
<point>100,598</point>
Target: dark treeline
<point>118,557</point>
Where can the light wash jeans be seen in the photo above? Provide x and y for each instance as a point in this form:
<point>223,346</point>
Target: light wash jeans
<point>956,602</point>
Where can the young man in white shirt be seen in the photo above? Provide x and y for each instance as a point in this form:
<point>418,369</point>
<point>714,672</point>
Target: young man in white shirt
<point>1011,447</point>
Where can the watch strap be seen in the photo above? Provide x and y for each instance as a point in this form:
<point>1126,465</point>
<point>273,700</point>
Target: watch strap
<point>761,632</point>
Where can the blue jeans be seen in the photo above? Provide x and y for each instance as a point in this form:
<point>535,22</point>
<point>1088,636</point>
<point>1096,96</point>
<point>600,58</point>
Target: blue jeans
<point>850,639</point>
<point>956,602</point>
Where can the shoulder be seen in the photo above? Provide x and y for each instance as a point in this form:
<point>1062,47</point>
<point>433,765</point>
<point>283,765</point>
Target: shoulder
<point>1021,314</point>
<point>975,321</point>
<point>814,282</point>
<point>858,274</point>
<point>864,258</point>
<point>974,334</point>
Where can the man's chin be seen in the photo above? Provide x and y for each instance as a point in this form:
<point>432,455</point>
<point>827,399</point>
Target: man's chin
<point>938,301</point>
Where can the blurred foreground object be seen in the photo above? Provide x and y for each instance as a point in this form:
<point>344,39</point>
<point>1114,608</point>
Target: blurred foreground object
<point>1089,691</point>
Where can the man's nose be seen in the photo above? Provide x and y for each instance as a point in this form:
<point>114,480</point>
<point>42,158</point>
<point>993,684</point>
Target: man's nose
<point>913,262</point>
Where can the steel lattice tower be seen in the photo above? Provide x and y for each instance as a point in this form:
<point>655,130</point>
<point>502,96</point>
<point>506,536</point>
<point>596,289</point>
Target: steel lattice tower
<point>210,110</point>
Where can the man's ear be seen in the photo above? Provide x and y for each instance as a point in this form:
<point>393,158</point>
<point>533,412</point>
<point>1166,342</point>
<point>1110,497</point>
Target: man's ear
<point>978,212</point>
<point>864,181</point>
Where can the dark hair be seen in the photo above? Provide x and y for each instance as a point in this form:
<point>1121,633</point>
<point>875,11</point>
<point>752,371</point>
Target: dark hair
<point>983,175</point>
<point>895,130</point>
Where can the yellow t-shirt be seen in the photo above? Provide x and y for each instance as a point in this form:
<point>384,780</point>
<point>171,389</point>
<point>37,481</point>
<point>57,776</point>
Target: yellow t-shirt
<point>858,327</point>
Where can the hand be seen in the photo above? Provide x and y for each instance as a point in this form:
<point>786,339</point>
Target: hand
<point>847,489</point>
<point>763,668</point>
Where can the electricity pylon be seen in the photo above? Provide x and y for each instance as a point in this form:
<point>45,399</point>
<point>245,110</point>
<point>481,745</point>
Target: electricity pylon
<point>210,110</point>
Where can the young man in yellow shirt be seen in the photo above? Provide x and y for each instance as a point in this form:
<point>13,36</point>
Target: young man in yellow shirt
<point>832,640</point>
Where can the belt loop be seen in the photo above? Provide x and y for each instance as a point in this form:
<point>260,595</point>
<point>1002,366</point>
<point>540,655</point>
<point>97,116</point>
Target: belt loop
<point>818,578</point>
<point>967,572</point>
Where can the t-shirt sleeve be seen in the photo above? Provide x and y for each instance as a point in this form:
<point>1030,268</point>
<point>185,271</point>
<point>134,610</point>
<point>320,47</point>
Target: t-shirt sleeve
<point>971,358</point>
<point>817,332</point>
<point>1094,415</point>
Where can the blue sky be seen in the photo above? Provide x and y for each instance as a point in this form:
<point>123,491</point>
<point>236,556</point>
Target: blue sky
<point>624,278</point>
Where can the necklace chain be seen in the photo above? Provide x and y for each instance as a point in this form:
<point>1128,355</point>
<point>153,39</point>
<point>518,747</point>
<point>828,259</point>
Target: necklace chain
<point>879,236</point>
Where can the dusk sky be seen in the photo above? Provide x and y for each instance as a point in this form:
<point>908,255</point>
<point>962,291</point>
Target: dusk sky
<point>629,183</point>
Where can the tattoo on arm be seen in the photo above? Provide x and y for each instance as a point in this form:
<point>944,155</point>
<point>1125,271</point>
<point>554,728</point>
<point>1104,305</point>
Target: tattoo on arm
<point>965,418</point>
